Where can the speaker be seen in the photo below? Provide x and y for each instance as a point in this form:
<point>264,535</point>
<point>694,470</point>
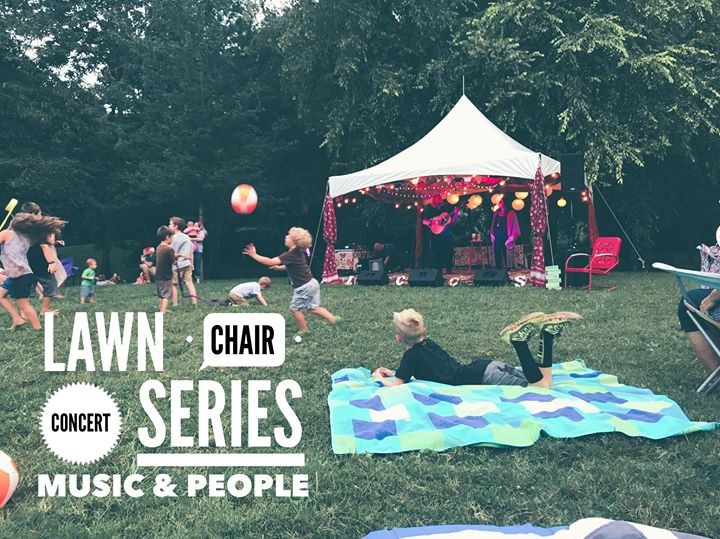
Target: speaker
<point>491,277</point>
<point>573,171</point>
<point>372,277</point>
<point>425,277</point>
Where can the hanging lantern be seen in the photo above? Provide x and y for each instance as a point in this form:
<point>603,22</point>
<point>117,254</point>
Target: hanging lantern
<point>518,204</point>
<point>453,198</point>
<point>522,195</point>
<point>496,198</point>
<point>476,200</point>
<point>561,202</point>
<point>354,200</point>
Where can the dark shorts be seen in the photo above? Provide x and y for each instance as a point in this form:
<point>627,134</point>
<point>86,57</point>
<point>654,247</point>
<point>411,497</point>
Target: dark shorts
<point>50,286</point>
<point>87,291</point>
<point>21,287</point>
<point>695,296</point>
<point>164,289</point>
<point>501,374</point>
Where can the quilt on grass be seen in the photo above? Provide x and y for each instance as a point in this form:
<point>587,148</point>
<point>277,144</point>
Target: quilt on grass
<point>366,417</point>
<point>587,528</point>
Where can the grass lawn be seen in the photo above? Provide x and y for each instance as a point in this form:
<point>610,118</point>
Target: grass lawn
<point>631,332</point>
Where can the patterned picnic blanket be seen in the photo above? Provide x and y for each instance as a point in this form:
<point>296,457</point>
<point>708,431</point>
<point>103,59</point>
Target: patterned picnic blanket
<point>586,528</point>
<point>368,418</point>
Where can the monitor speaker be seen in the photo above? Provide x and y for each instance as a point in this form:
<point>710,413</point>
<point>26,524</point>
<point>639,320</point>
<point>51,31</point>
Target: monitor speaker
<point>372,277</point>
<point>573,171</point>
<point>491,277</point>
<point>425,277</point>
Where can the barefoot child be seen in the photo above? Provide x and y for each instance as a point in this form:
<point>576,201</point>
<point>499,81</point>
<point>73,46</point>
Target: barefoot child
<point>241,293</point>
<point>26,230</point>
<point>426,360</point>
<point>306,293</point>
<point>164,260</point>
<point>87,283</point>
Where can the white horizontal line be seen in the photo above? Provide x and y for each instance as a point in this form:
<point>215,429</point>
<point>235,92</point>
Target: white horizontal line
<point>228,460</point>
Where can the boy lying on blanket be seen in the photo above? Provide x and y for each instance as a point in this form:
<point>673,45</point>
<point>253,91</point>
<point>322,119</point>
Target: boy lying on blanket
<point>426,360</point>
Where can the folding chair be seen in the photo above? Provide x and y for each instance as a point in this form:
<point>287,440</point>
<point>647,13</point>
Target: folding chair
<point>70,269</point>
<point>711,280</point>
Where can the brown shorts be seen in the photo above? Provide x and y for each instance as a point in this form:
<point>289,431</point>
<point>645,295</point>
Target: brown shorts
<point>237,300</point>
<point>164,289</point>
<point>185,274</point>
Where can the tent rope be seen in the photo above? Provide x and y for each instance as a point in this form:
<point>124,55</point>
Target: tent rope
<point>640,258</point>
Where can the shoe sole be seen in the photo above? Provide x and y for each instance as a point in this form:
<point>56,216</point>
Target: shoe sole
<point>558,318</point>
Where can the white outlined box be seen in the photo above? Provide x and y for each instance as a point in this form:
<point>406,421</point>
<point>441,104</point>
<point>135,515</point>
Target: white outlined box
<point>243,340</point>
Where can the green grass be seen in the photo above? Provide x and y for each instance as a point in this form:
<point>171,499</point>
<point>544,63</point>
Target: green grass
<point>631,332</point>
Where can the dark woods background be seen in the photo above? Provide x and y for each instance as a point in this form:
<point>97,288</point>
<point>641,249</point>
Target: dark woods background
<point>117,115</point>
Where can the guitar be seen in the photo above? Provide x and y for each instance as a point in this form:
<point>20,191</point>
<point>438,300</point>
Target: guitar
<point>438,223</point>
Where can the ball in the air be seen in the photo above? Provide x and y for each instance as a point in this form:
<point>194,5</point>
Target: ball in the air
<point>9,477</point>
<point>244,199</point>
<point>298,339</point>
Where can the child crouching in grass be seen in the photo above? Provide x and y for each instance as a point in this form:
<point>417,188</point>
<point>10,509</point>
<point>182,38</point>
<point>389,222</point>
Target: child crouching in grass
<point>306,293</point>
<point>424,359</point>
<point>240,294</point>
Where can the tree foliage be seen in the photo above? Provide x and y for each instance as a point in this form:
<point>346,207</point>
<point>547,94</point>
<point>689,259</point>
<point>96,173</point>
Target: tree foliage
<point>129,111</point>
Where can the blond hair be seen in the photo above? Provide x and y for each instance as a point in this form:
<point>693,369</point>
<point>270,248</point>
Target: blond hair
<point>265,281</point>
<point>300,237</point>
<point>90,261</point>
<point>409,326</point>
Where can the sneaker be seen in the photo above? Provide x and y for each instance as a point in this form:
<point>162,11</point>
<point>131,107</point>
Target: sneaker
<point>523,329</point>
<point>555,323</point>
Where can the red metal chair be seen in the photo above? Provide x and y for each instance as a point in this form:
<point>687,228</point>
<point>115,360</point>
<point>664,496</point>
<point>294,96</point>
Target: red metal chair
<point>604,257</point>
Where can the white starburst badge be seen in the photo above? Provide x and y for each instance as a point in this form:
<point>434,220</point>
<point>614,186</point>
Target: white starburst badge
<point>80,423</point>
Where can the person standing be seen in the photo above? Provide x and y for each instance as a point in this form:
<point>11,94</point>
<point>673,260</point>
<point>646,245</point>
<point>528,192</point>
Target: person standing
<point>504,230</point>
<point>182,246</point>
<point>165,258</point>
<point>200,236</point>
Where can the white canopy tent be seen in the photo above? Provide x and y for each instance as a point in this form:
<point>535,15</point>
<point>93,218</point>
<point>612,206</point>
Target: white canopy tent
<point>464,143</point>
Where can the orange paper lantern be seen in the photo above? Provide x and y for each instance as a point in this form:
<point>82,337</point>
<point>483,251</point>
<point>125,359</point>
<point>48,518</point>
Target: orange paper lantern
<point>452,198</point>
<point>522,195</point>
<point>518,204</point>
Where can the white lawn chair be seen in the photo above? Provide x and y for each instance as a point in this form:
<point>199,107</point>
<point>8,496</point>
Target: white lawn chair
<point>711,280</point>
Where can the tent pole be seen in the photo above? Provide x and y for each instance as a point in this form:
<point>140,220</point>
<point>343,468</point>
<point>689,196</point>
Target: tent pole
<point>317,231</point>
<point>549,236</point>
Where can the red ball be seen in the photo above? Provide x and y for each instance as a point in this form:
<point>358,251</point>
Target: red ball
<point>244,199</point>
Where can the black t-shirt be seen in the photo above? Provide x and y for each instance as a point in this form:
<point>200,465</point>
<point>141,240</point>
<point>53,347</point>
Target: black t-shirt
<point>36,259</point>
<point>428,361</point>
<point>165,257</point>
<point>296,264</point>
<point>500,226</point>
